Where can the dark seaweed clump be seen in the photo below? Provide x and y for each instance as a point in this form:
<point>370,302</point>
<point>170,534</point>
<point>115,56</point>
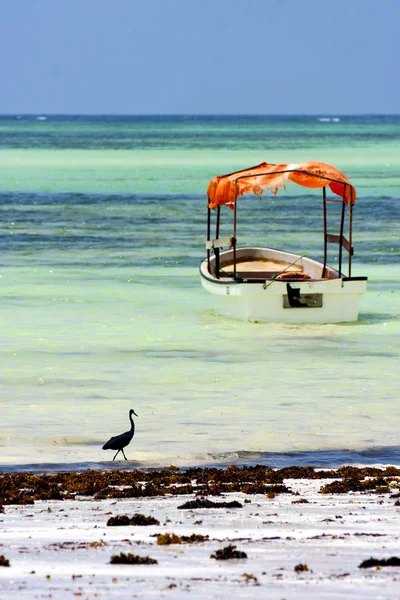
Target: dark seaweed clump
<point>166,539</point>
<point>205,503</point>
<point>137,519</point>
<point>301,568</point>
<point>131,559</point>
<point>118,521</point>
<point>228,553</point>
<point>4,562</point>
<point>377,484</point>
<point>25,488</point>
<point>394,561</point>
<point>265,489</point>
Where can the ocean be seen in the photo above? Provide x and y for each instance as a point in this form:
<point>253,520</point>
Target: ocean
<point>102,229</point>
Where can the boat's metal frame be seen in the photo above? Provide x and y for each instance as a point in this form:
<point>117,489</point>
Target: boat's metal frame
<point>216,244</point>
<point>329,294</point>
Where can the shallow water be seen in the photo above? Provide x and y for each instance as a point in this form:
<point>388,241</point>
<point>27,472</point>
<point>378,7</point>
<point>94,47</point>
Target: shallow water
<point>102,230</point>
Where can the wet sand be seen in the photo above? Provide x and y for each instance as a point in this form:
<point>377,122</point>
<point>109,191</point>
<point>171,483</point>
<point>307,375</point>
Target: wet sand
<point>298,542</point>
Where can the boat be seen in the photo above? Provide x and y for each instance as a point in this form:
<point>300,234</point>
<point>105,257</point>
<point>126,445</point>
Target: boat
<point>262,284</point>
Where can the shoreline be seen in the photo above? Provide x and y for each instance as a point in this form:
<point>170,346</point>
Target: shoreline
<point>376,456</point>
<point>304,531</point>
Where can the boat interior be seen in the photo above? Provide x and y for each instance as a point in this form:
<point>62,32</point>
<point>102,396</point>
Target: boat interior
<point>260,264</point>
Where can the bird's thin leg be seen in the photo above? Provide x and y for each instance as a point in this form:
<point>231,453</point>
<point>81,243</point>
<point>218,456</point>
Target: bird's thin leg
<point>122,450</point>
<point>116,454</point>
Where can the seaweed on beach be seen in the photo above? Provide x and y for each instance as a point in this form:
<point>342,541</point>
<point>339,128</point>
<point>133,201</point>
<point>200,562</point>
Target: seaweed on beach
<point>228,553</point>
<point>250,578</point>
<point>394,561</point>
<point>76,545</point>
<point>342,487</point>
<point>23,488</point>
<point>378,484</point>
<point>137,519</point>
<point>26,488</point>
<point>349,472</point>
<point>131,559</point>
<point>19,498</point>
<point>301,568</point>
<point>265,489</point>
<point>4,562</point>
<point>248,480</point>
<point>346,472</point>
<point>205,503</point>
<point>118,521</point>
<point>166,539</point>
<point>298,473</point>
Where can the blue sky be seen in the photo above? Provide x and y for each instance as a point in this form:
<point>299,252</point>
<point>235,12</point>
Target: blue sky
<point>200,56</point>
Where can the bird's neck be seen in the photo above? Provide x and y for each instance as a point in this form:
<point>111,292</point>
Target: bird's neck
<point>132,423</point>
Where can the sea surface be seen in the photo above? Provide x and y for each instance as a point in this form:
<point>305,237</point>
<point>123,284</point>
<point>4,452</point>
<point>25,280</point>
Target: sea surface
<point>102,229</point>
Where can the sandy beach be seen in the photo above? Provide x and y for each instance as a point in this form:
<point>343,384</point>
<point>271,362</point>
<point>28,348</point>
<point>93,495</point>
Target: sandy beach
<point>298,542</point>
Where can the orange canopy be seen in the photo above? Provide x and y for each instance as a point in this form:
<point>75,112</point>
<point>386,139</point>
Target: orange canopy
<point>311,174</point>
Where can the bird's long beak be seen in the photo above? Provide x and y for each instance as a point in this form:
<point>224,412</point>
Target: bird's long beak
<point>134,413</point>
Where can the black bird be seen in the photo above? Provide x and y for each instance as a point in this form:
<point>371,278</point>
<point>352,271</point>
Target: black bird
<point>119,442</point>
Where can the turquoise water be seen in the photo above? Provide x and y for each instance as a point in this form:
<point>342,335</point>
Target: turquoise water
<point>102,229</point>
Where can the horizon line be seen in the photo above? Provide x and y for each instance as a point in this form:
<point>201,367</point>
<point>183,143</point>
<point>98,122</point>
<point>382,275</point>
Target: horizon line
<point>105,114</point>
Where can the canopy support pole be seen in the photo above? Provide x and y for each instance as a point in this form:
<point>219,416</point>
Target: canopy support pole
<point>341,230</point>
<point>216,250</point>
<point>325,233</point>
<point>350,229</point>
<point>234,233</point>
<point>208,232</point>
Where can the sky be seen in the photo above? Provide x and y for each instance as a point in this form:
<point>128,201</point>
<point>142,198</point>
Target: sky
<point>199,57</point>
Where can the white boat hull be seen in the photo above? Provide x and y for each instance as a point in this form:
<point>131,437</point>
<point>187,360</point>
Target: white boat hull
<point>267,301</point>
